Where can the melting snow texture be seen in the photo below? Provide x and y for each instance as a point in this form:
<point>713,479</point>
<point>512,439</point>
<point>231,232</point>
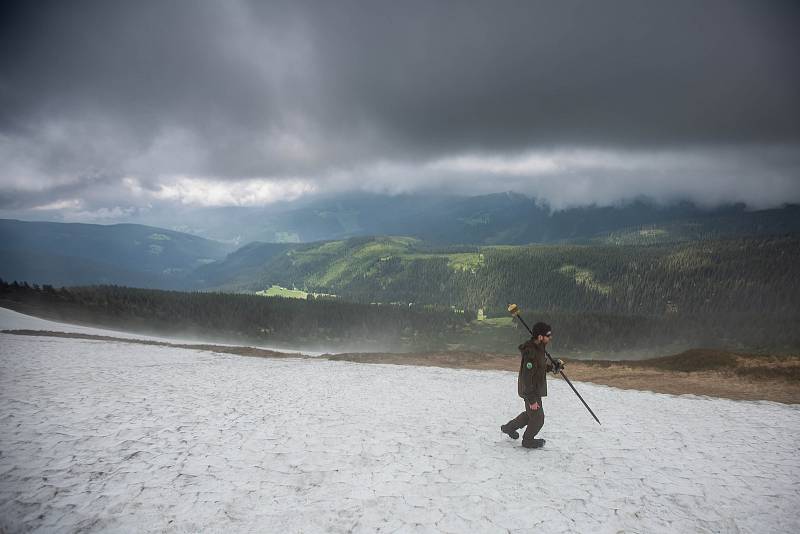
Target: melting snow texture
<point>107,436</point>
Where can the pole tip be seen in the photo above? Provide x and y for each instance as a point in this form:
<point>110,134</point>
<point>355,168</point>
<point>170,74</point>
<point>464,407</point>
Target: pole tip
<point>513,309</point>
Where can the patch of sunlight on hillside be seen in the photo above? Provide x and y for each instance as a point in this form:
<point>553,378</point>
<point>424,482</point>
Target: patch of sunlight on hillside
<point>278,291</point>
<point>469,261</point>
<point>585,278</point>
<point>302,257</point>
<point>385,247</point>
<point>462,261</point>
<point>337,263</point>
<point>331,247</point>
<point>334,272</point>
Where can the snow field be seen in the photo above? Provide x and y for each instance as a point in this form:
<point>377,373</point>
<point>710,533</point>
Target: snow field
<point>106,436</point>
<point>12,320</point>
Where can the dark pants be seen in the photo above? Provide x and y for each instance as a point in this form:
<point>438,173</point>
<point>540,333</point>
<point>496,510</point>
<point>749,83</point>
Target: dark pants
<point>533,419</point>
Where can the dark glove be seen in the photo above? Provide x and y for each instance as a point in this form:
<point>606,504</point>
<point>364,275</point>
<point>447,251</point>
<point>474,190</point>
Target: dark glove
<point>558,365</point>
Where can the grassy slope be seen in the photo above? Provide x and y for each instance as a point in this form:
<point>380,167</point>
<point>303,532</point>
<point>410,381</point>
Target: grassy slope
<point>620,279</point>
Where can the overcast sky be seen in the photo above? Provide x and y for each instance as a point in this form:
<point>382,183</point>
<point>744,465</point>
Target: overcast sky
<point>110,108</point>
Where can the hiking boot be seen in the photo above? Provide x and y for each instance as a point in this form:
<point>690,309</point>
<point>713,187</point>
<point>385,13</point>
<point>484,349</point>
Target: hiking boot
<point>533,444</point>
<point>512,433</point>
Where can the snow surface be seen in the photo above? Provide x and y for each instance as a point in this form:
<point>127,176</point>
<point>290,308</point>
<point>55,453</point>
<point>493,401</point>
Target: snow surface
<point>113,436</point>
<point>12,320</point>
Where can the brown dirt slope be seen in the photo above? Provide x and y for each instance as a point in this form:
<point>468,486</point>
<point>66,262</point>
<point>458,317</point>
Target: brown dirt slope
<point>700,371</point>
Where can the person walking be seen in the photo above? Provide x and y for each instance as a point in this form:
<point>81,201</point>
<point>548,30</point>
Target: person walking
<point>532,386</point>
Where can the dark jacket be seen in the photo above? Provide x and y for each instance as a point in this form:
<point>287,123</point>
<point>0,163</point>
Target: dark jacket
<point>532,382</point>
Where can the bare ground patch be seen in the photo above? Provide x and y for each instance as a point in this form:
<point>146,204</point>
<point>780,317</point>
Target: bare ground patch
<point>717,373</point>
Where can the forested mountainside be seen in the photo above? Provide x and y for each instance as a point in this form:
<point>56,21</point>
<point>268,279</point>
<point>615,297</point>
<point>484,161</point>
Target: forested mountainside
<point>691,277</point>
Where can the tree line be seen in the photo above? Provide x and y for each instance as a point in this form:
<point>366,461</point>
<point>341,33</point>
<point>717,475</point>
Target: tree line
<point>335,325</point>
<point>703,277</point>
<point>239,317</point>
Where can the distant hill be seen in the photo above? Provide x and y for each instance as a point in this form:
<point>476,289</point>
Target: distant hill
<point>436,230</point>
<point>80,254</point>
<point>497,219</point>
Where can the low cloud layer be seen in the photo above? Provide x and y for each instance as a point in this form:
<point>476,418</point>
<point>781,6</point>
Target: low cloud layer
<point>111,108</point>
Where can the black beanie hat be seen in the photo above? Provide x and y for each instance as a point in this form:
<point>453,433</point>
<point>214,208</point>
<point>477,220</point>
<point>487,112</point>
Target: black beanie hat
<point>541,329</point>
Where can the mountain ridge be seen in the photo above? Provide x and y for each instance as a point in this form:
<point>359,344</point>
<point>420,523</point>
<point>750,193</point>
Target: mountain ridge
<point>151,256</point>
<point>80,253</point>
<point>498,218</point>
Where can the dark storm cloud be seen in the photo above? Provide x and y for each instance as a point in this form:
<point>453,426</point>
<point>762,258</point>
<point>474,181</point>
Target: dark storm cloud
<point>568,72</point>
<point>141,69</point>
<point>170,97</point>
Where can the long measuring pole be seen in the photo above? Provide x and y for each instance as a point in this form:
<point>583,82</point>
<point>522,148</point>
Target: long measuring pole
<point>514,310</point>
